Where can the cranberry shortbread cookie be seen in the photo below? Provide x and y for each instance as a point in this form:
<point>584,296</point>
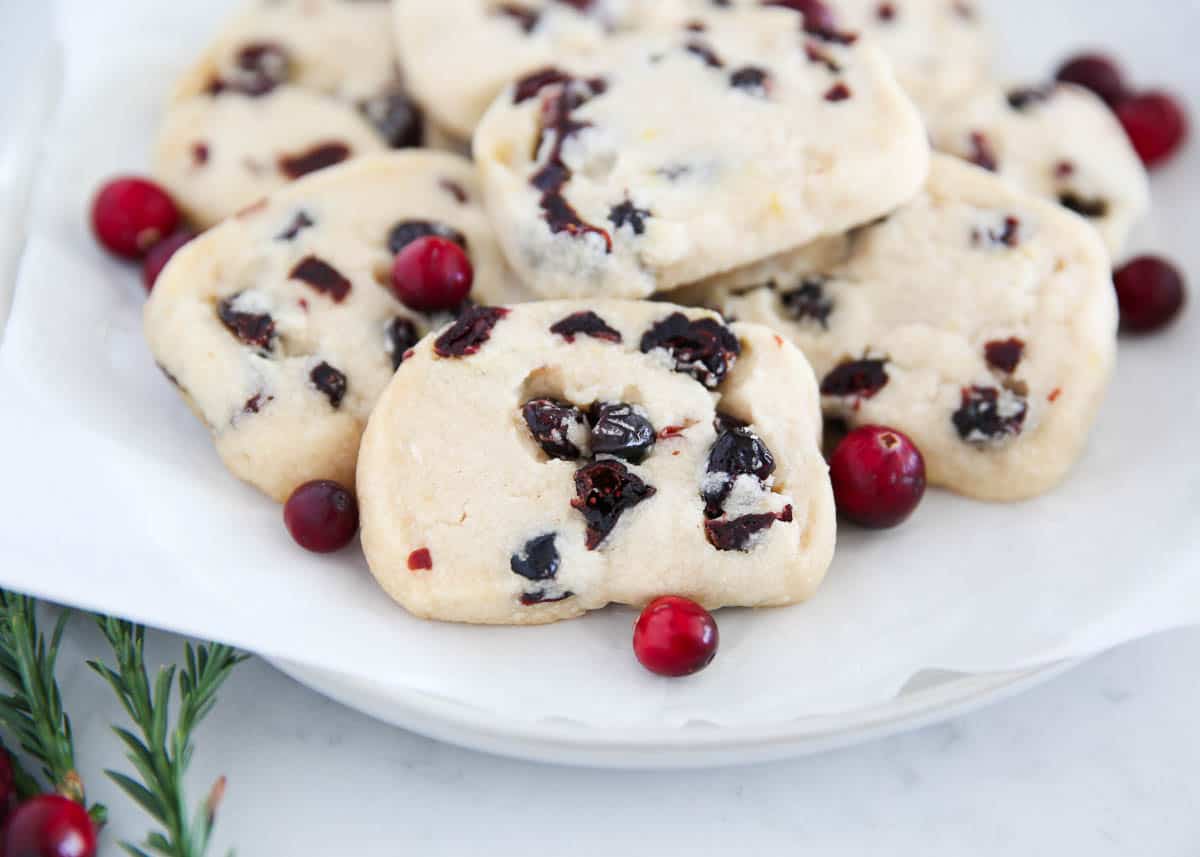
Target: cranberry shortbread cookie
<point>685,153</point>
<point>978,319</point>
<point>279,326</point>
<point>1060,141</point>
<point>940,49</point>
<point>529,464</point>
<point>287,88</point>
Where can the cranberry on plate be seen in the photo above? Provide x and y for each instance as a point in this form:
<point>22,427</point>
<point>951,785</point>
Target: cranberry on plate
<point>1156,125</point>
<point>130,215</point>
<point>1150,293</point>
<point>432,274</point>
<point>322,516</point>
<point>49,826</point>
<point>161,253</point>
<point>675,637</point>
<point>1096,72</point>
<point>878,477</point>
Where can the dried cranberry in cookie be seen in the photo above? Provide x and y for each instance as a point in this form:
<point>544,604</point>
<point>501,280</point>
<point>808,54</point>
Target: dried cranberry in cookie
<point>287,88</point>
<point>1060,142</point>
<point>601,192</point>
<point>552,477</point>
<point>281,324</point>
<point>978,319</point>
<point>559,428</point>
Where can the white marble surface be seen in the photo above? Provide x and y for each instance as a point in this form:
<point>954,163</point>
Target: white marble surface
<point>1100,761</point>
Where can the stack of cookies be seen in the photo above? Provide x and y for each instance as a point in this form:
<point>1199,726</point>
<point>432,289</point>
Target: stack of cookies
<point>697,233</point>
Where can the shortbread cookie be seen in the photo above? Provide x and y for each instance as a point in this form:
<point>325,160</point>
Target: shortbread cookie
<point>530,464</point>
<point>288,87</point>
<point>219,154</point>
<point>279,326</point>
<point>940,49</point>
<point>1059,141</point>
<point>458,54</point>
<point>978,319</point>
<point>683,154</point>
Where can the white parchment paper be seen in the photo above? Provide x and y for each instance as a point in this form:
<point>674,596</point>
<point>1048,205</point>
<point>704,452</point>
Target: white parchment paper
<point>114,500</point>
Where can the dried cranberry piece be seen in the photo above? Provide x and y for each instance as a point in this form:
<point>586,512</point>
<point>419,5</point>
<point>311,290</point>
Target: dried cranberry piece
<point>407,231</point>
<point>1083,206</point>
<point>628,213</point>
<point>533,83</point>
<point>819,19</point>
<point>311,160</point>
<point>455,190</point>
<point>469,333</point>
<point>705,53</point>
<point>989,414</point>
<point>1009,233</point>
<point>621,430</point>
<point>256,403</point>
<point>737,534</point>
<point>299,223</point>
<point>737,451</point>
<point>838,92</point>
<point>1024,98</point>
<point>397,118</point>
<point>552,423</point>
<point>586,323</point>
<point>982,154</point>
<point>751,79</point>
<point>539,561</point>
<point>862,378</point>
<point>705,349</point>
<point>605,489</point>
<point>808,300</point>
<point>322,276</point>
<point>329,381</point>
<point>259,68</point>
<point>400,335</point>
<point>557,124</point>
<point>1004,354</point>
<point>257,329</point>
<point>524,17</point>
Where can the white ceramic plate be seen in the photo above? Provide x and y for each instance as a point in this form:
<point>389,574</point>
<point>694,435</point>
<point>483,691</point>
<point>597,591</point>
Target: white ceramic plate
<point>124,430</point>
<point>929,698</point>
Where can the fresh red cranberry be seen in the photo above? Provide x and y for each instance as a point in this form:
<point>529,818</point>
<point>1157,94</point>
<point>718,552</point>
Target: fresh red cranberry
<point>322,516</point>
<point>1096,72</point>
<point>1150,292</point>
<point>675,636</point>
<point>161,253</point>
<point>131,215</point>
<point>878,477</point>
<point>8,787</point>
<point>1156,125</point>
<point>49,826</point>
<point>432,274</point>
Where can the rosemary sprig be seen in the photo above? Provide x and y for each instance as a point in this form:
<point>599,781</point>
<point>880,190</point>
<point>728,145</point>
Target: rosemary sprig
<point>32,711</point>
<point>161,757</point>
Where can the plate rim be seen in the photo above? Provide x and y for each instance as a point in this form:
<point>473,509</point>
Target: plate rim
<point>562,742</point>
